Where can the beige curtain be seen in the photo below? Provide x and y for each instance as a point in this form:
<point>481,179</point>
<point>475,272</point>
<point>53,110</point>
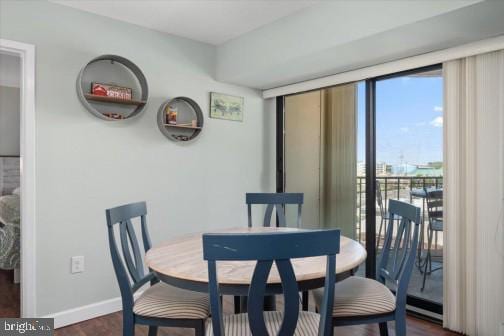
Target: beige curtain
<point>474,177</point>
<point>321,156</point>
<point>338,158</point>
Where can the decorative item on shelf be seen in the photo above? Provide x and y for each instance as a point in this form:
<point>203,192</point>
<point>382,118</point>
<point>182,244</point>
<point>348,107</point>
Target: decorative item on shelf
<point>180,119</point>
<point>224,106</point>
<point>181,137</point>
<point>125,94</point>
<point>116,116</point>
<point>172,115</point>
<point>109,90</point>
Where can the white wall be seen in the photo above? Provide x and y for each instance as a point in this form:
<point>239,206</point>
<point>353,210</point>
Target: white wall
<point>85,164</point>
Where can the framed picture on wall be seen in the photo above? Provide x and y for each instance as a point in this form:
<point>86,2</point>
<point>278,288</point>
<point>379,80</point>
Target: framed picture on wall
<point>224,106</point>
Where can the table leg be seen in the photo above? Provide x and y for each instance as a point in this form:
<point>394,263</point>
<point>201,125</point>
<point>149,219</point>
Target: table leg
<point>243,304</point>
<point>269,303</point>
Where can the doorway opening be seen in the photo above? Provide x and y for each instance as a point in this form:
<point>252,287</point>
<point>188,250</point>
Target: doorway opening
<point>25,53</point>
<point>10,182</point>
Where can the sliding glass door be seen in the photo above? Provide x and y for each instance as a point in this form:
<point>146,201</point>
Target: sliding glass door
<point>409,167</point>
<point>351,148</point>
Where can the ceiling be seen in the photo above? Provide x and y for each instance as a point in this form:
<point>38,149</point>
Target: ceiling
<point>266,44</point>
<point>339,36</point>
<point>213,22</point>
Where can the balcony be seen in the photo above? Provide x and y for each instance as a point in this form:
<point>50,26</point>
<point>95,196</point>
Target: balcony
<point>407,189</point>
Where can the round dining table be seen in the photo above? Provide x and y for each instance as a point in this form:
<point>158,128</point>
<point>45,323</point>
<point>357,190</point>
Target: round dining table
<point>180,263</point>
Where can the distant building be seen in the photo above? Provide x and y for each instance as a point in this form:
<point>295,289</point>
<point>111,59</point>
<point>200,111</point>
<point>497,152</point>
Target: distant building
<point>417,170</point>
<point>403,169</point>
<point>428,171</point>
<point>382,169</point>
<point>361,168</point>
<point>435,164</point>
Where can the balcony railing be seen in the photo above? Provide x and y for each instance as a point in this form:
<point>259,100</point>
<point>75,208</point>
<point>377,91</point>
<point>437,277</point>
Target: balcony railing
<point>392,187</point>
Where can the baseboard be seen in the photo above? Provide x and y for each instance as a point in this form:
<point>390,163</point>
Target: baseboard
<point>425,314</point>
<point>79,314</point>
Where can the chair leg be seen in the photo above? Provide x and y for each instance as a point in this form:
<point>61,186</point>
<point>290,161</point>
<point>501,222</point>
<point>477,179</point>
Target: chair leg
<point>153,330</point>
<point>199,330</point>
<point>379,233</point>
<point>243,304</point>
<point>128,325</point>
<point>400,326</point>
<point>305,300</point>
<point>237,304</point>
<point>383,329</point>
<point>428,258</point>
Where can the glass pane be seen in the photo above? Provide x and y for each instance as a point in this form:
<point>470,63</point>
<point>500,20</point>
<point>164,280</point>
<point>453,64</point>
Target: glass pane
<point>409,151</point>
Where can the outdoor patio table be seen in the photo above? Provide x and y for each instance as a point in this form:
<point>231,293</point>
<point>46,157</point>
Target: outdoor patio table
<point>180,263</point>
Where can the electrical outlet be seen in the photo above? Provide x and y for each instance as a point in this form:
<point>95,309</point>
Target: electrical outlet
<point>77,263</point>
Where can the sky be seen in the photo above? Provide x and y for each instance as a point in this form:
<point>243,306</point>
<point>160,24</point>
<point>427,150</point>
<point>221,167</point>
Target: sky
<point>409,120</point>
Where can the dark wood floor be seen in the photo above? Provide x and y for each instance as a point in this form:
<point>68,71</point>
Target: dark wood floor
<point>9,295</point>
<point>110,325</point>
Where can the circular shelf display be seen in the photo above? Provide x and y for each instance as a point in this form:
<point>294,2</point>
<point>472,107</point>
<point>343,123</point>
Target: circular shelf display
<point>180,119</point>
<point>112,88</point>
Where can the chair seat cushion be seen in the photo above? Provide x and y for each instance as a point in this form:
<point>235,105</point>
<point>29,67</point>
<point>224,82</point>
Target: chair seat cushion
<point>238,325</point>
<point>358,296</point>
<point>165,301</point>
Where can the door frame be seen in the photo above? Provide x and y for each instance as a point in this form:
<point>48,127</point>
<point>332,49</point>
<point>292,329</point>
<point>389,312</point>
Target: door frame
<point>26,52</point>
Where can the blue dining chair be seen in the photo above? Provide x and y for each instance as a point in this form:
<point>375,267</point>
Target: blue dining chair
<point>274,201</point>
<point>361,300</point>
<point>160,305</point>
<point>434,200</point>
<point>278,248</point>
<point>383,214</point>
<point>278,202</point>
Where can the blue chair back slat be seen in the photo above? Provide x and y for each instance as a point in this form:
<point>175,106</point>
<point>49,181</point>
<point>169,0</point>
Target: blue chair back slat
<point>274,201</point>
<point>274,198</point>
<point>127,212</point>
<point>122,216</point>
<point>129,243</point>
<point>145,233</point>
<point>277,247</point>
<point>434,200</point>
<point>401,247</point>
<point>398,254</point>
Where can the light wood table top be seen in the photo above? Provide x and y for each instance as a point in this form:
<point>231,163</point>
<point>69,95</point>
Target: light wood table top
<point>180,263</point>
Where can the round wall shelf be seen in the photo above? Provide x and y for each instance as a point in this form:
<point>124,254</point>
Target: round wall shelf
<point>116,71</point>
<point>180,119</point>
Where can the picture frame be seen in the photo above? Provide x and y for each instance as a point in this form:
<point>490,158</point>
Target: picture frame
<point>227,107</point>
